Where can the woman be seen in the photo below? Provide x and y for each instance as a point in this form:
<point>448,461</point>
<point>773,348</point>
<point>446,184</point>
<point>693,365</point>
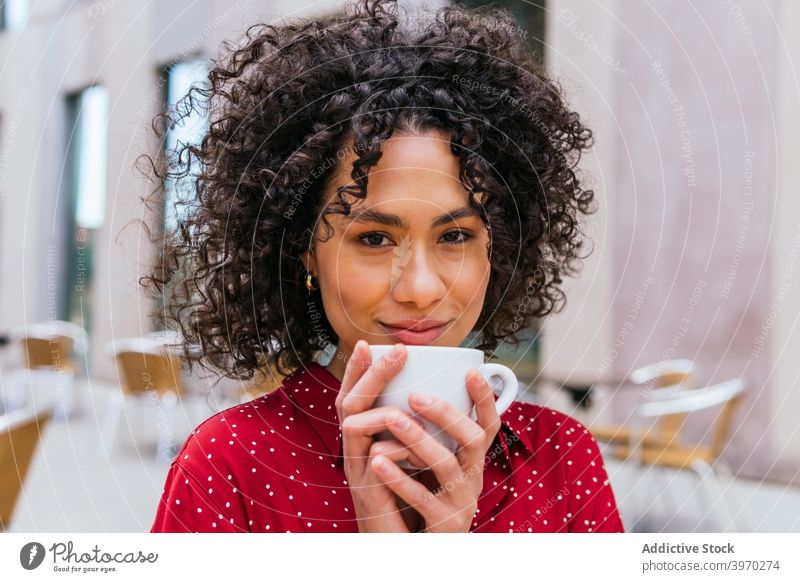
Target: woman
<point>376,180</point>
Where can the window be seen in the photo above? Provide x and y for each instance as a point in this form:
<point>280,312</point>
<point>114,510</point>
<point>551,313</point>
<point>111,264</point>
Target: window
<point>181,77</point>
<point>90,172</point>
<point>190,129</point>
<point>13,14</point>
<point>87,151</point>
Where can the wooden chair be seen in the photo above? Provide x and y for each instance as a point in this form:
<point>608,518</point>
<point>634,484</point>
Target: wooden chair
<point>50,353</point>
<point>149,371</point>
<point>20,433</point>
<point>665,378</point>
<point>704,459</point>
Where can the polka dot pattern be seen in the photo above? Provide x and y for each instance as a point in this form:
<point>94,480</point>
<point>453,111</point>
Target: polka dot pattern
<point>275,465</point>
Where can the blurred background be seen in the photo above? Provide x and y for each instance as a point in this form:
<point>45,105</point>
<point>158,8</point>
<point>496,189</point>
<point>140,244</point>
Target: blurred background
<point>678,345</point>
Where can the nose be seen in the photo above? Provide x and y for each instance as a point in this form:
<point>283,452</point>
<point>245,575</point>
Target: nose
<point>415,276</point>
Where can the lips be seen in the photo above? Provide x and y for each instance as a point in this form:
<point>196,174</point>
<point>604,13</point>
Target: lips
<point>417,324</point>
<point>420,334</point>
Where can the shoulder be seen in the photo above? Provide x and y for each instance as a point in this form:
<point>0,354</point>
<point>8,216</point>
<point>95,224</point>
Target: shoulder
<point>226,438</point>
<point>563,448</point>
<point>525,417</point>
<point>546,431</point>
<point>245,417</point>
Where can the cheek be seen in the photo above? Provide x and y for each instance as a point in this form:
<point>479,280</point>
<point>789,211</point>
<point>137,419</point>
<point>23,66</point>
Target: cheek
<point>473,275</point>
<point>355,288</point>
<point>470,283</point>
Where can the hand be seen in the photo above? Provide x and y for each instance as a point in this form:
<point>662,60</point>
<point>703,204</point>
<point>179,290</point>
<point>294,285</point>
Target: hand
<point>376,505</point>
<point>452,507</point>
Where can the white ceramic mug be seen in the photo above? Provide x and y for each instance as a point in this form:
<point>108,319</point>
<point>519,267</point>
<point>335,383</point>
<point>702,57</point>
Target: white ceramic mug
<point>441,372</point>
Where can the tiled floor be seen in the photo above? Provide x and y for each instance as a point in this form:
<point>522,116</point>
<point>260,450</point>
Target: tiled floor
<point>69,490</point>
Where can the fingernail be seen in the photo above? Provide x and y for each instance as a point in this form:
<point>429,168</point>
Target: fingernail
<point>397,351</point>
<point>381,465</point>
<point>421,399</point>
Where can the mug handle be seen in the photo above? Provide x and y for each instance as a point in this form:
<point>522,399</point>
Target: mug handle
<point>510,384</point>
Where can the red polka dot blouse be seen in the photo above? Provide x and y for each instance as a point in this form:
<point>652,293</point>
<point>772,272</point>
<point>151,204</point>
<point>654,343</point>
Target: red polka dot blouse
<point>275,465</point>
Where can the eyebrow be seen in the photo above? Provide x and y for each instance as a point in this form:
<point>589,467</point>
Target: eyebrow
<point>371,215</point>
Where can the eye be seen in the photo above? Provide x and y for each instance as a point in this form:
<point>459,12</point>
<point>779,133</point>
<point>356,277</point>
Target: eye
<point>463,233</point>
<point>453,237</point>
<point>372,237</point>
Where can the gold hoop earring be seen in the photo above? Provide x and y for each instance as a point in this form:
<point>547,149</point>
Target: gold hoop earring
<point>309,285</point>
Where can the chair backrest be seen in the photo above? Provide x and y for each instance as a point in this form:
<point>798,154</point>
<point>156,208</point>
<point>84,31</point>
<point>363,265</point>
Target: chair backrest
<point>51,344</point>
<point>666,373</point>
<point>48,329</point>
<point>169,337</point>
<point>53,352</point>
<point>728,394</point>
<point>668,376</point>
<point>20,432</point>
<point>144,344</point>
<point>143,371</point>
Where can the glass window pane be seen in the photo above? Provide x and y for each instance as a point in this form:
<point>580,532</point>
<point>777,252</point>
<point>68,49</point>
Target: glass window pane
<point>87,159</point>
<point>92,132</point>
<point>189,130</point>
<point>13,13</point>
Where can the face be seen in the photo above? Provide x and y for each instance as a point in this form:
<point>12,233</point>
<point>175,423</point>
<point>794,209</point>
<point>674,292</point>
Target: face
<point>410,256</point>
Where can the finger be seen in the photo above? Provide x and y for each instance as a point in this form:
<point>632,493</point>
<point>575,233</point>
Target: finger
<point>390,449</point>
<point>363,393</point>
<point>415,494</point>
<point>482,394</point>
<point>358,363</point>
<point>432,453</point>
<point>395,451</point>
<point>358,430</point>
<point>470,436</point>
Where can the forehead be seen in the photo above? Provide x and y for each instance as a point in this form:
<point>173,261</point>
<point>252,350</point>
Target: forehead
<point>414,169</point>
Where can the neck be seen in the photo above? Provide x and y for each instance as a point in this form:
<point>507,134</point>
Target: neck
<point>338,363</point>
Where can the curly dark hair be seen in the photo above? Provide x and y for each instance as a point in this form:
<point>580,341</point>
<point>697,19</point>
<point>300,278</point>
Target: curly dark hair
<point>288,98</point>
